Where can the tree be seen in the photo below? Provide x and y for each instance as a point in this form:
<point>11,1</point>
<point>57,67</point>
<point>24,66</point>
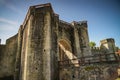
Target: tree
<point>92,44</point>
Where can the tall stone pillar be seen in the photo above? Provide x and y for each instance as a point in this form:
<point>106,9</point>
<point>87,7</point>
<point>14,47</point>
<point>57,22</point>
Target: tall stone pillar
<point>50,63</point>
<point>84,38</point>
<point>47,47</point>
<point>77,43</point>
<point>77,38</point>
<point>18,55</point>
<point>26,54</point>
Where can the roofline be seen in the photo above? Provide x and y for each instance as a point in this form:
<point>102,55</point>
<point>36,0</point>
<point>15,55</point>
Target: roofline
<point>35,6</point>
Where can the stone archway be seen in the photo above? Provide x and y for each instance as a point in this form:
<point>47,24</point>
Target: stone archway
<point>66,58</point>
<point>64,46</point>
<point>65,53</point>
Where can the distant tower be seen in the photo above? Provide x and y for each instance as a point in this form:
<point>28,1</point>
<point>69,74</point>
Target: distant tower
<point>0,41</point>
<point>108,45</point>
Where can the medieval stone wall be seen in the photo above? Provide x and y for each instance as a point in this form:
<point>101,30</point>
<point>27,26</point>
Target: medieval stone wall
<point>100,71</point>
<point>8,57</point>
<point>2,51</point>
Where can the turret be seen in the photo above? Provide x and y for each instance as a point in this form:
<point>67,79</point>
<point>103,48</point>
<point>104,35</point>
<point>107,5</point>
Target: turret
<point>0,41</point>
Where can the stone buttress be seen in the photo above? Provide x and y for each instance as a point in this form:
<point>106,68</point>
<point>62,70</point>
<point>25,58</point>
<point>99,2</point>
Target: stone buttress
<point>39,45</point>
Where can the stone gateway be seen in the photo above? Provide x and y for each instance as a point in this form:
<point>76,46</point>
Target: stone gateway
<point>47,48</point>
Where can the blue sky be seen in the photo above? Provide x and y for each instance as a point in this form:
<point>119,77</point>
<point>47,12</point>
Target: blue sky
<point>103,16</point>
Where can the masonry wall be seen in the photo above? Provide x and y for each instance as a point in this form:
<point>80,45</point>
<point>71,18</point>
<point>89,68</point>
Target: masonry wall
<point>81,38</point>
<point>8,57</point>
<point>2,51</point>
<point>66,32</point>
<point>76,35</point>
<point>99,71</point>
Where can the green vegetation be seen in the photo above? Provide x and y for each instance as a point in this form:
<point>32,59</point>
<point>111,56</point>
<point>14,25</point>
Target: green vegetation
<point>92,44</point>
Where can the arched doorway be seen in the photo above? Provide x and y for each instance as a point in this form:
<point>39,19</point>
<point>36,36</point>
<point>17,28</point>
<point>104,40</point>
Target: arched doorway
<point>67,60</point>
<point>64,46</point>
<point>66,57</point>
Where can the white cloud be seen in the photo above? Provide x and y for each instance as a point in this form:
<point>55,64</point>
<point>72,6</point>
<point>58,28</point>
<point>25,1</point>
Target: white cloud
<point>7,30</point>
<point>8,21</point>
<point>10,6</point>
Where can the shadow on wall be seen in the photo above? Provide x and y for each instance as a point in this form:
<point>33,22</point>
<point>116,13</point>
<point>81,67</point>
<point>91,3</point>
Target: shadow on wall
<point>7,78</point>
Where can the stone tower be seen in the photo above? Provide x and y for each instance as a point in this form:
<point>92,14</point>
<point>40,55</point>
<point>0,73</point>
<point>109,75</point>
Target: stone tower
<point>0,41</point>
<point>108,45</point>
<point>35,39</point>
